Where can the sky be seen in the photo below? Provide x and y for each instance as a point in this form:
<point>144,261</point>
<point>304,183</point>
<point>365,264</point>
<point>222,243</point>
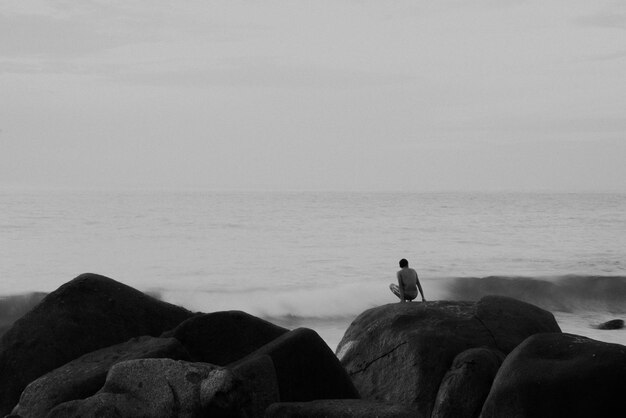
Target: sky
<point>348,95</point>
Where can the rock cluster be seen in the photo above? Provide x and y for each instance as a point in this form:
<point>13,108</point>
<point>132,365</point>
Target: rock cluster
<point>98,348</point>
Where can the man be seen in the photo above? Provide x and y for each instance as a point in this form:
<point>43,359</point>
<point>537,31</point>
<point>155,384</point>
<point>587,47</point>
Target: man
<point>408,283</point>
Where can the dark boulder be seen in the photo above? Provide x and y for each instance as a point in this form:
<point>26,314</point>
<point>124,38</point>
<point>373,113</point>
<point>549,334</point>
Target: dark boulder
<point>466,385</point>
<point>84,376</point>
<point>306,368</point>
<point>244,391</point>
<point>559,375</point>
<point>340,408</point>
<point>400,352</point>
<point>83,315</point>
<point>148,388</point>
<point>612,324</point>
<point>223,337</point>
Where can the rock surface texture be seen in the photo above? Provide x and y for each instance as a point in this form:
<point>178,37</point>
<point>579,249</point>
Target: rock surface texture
<point>401,352</point>
<point>340,408</point>
<point>83,315</point>
<point>149,388</point>
<point>85,376</point>
<point>559,375</point>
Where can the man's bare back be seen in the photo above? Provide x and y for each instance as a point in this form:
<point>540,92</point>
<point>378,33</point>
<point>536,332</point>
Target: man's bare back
<point>408,283</point>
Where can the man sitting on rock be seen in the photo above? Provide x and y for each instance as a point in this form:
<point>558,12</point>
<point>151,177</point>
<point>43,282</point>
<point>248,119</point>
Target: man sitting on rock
<point>408,283</point>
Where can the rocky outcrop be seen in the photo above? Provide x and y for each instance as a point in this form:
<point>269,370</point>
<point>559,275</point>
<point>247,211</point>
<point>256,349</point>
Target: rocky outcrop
<point>83,315</point>
<point>223,337</point>
<point>149,388</point>
<point>85,376</point>
<point>401,352</point>
<point>340,408</point>
<point>297,366</point>
<point>559,375</point>
<point>466,385</point>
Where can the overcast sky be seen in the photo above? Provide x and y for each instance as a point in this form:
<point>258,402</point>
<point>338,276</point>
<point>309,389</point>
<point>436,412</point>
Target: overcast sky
<point>391,95</point>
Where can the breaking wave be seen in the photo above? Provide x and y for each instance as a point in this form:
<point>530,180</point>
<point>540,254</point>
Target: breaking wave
<point>569,293</point>
<point>342,303</point>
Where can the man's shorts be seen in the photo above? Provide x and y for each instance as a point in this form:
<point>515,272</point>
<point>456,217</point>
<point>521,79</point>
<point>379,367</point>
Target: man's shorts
<point>396,291</point>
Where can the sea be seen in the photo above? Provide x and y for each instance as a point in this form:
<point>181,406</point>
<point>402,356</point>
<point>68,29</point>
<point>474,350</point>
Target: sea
<point>319,259</point>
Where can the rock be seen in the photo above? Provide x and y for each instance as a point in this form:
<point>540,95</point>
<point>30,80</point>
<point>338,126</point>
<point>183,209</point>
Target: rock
<point>511,321</point>
<point>223,337</point>
<point>466,385</point>
<point>244,391</point>
<point>400,352</point>
<point>148,388</point>
<point>306,369</point>
<point>260,383</point>
<point>340,408</point>
<point>83,315</point>
<point>612,324</point>
<point>559,375</point>
<point>84,376</point>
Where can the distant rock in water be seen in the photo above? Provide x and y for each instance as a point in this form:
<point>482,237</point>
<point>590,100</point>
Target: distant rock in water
<point>401,352</point>
<point>559,375</point>
<point>83,315</point>
<point>612,324</point>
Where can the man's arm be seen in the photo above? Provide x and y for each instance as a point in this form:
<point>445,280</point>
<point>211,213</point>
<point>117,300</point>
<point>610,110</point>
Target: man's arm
<point>419,286</point>
<point>401,287</point>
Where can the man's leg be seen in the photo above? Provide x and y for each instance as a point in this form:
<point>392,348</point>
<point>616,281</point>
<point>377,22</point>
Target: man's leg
<point>395,290</point>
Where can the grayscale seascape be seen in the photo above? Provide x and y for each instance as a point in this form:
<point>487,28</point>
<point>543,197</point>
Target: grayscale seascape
<point>220,207</point>
<point>319,259</point>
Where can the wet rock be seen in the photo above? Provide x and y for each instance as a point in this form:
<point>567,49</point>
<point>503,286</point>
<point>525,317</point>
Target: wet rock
<point>83,315</point>
<point>559,375</point>
<point>400,352</point>
<point>84,376</point>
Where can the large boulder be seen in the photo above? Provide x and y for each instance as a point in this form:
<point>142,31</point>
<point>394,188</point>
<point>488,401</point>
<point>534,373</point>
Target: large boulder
<point>223,337</point>
<point>84,376</point>
<point>400,352</point>
<point>306,368</point>
<point>83,315</point>
<point>148,388</point>
<point>466,385</point>
<point>559,375</point>
<point>340,408</point>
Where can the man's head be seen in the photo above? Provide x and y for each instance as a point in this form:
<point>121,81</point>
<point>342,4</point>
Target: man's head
<point>404,263</point>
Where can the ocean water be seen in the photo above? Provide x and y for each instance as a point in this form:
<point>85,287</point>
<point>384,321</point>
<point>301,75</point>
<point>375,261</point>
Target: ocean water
<point>318,259</point>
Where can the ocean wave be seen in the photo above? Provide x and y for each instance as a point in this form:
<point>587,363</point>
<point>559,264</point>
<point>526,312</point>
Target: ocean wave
<point>343,302</point>
<point>567,293</point>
